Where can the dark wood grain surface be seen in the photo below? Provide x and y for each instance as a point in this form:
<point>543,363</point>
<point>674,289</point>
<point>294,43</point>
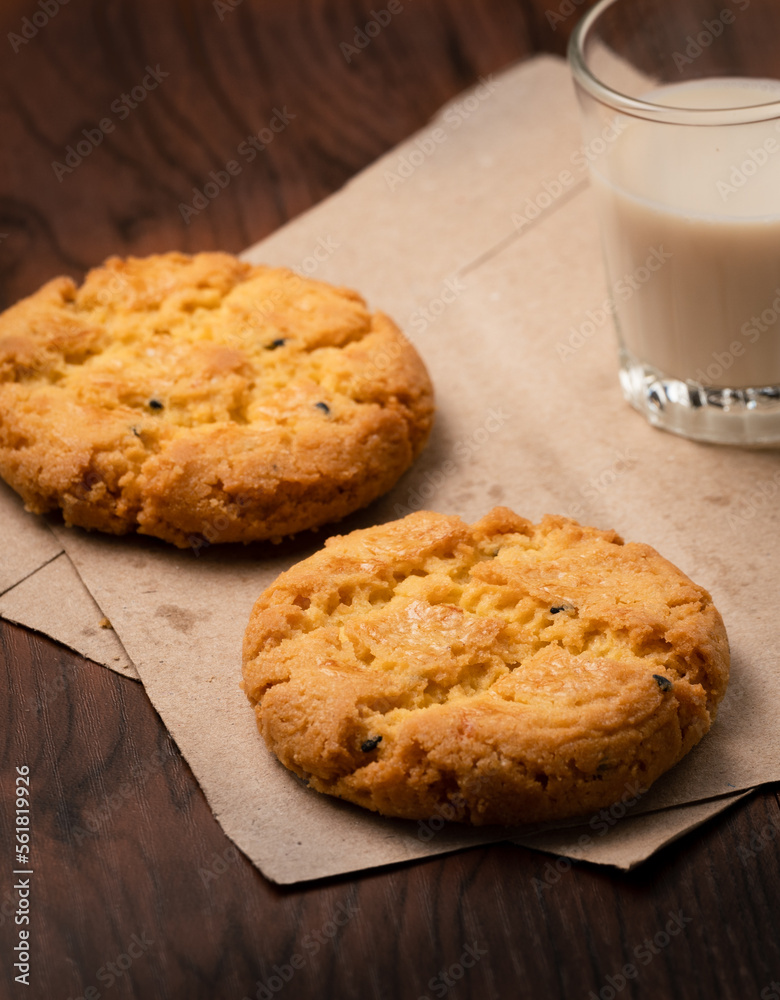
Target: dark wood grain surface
<point>136,892</point>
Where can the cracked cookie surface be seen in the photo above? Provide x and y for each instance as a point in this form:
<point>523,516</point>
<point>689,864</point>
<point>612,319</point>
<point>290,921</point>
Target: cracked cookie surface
<point>502,672</point>
<point>204,399</point>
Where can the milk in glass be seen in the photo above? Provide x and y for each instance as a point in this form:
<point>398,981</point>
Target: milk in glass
<point>702,204</point>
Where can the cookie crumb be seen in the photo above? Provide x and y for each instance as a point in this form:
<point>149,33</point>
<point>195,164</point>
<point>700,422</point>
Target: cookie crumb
<point>105,623</point>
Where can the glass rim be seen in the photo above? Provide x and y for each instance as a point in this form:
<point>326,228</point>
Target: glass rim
<point>648,110</point>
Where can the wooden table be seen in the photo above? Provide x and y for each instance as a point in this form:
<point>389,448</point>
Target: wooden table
<point>136,891</point>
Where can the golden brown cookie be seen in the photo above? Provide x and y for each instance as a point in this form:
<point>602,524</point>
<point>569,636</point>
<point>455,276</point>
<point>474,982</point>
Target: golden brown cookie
<point>204,399</point>
<point>502,672</point>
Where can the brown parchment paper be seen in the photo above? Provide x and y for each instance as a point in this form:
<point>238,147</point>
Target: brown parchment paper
<point>26,543</point>
<point>40,588</point>
<point>53,600</point>
<point>427,234</point>
<point>626,841</point>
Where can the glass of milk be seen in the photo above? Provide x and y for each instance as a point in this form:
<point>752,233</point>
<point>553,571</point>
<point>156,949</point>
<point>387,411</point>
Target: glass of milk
<point>681,110</point>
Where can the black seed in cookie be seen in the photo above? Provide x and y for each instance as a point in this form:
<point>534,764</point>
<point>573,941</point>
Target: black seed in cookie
<point>279,342</point>
<point>371,744</point>
<point>663,682</point>
<point>155,404</point>
<point>324,407</point>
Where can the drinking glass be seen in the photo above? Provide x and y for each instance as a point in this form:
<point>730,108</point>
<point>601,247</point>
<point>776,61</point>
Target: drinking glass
<point>680,105</point>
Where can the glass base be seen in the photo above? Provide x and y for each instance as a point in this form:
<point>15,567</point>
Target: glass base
<point>745,417</point>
